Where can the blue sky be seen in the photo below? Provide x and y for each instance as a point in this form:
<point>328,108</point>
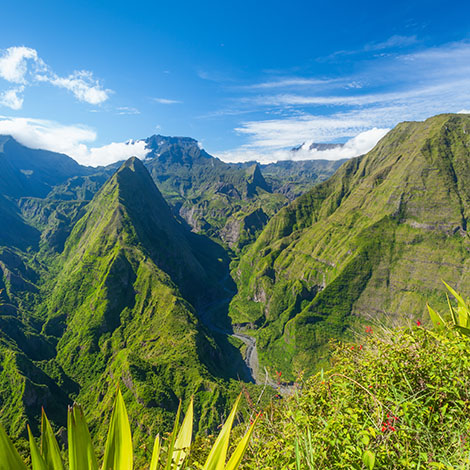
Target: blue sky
<point>247,79</point>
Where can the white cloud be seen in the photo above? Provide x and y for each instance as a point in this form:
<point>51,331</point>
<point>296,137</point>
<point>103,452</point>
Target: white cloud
<point>22,65</point>
<point>11,99</point>
<point>83,85</point>
<point>393,41</point>
<point>72,140</point>
<point>14,65</point>
<point>290,82</point>
<point>114,152</point>
<point>124,110</point>
<point>359,145</point>
<point>166,101</point>
<point>464,111</point>
<point>281,133</point>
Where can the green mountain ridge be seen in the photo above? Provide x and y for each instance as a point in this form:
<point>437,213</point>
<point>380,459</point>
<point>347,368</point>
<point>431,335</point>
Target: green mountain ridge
<point>372,243</point>
<point>113,306</point>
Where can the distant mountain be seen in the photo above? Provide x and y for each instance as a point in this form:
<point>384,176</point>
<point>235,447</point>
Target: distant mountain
<point>215,197</point>
<point>318,146</point>
<point>293,178</point>
<point>30,172</point>
<point>210,195</point>
<point>205,191</point>
<point>372,243</point>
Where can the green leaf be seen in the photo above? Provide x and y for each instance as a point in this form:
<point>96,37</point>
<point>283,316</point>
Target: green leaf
<point>81,453</point>
<point>218,453</point>
<point>37,461</point>
<point>183,441</point>
<point>171,446</point>
<point>239,452</point>
<point>369,459</point>
<point>49,447</point>
<point>464,331</point>
<point>452,310</point>
<point>460,300</point>
<point>436,319</point>
<point>155,453</point>
<point>10,459</point>
<point>297,455</point>
<point>118,454</point>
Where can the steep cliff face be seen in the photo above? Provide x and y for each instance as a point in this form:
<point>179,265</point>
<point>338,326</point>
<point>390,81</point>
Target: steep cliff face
<point>370,244</point>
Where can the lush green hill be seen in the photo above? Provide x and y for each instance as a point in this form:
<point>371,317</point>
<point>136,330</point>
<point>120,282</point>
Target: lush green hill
<point>117,308</point>
<point>113,307</point>
<point>372,242</point>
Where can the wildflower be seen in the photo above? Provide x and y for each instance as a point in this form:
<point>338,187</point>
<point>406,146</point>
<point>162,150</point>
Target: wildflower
<point>369,329</point>
<point>388,425</point>
<point>360,347</point>
<point>418,323</point>
<point>352,347</point>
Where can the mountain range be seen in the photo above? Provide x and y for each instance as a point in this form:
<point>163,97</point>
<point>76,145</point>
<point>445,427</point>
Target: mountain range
<point>154,273</point>
<point>102,277</point>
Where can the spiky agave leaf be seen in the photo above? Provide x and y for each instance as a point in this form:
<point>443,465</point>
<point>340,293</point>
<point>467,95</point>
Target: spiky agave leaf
<point>49,446</point>
<point>240,450</point>
<point>118,453</point>
<point>171,445</point>
<point>155,453</point>
<point>183,441</point>
<point>218,453</point>
<point>9,457</point>
<point>37,460</point>
<point>81,452</point>
<point>436,319</point>
<point>459,298</point>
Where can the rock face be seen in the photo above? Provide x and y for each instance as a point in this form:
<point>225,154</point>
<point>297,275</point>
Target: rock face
<point>371,243</point>
<point>240,231</point>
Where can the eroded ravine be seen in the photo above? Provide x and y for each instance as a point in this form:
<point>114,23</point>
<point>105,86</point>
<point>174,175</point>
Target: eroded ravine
<point>251,352</point>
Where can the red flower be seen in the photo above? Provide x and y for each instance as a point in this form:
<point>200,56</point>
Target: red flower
<point>360,347</point>
<point>418,323</point>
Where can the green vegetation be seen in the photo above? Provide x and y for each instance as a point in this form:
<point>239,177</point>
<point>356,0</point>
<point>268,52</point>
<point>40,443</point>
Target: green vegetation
<point>372,242</point>
<point>114,289</point>
<point>118,452</point>
<point>393,399</point>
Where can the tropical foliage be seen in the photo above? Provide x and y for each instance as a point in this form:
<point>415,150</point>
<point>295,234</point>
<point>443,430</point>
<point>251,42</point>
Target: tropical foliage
<point>118,453</point>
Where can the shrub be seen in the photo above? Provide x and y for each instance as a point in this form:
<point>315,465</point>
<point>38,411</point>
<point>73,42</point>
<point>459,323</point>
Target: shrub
<point>398,400</point>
